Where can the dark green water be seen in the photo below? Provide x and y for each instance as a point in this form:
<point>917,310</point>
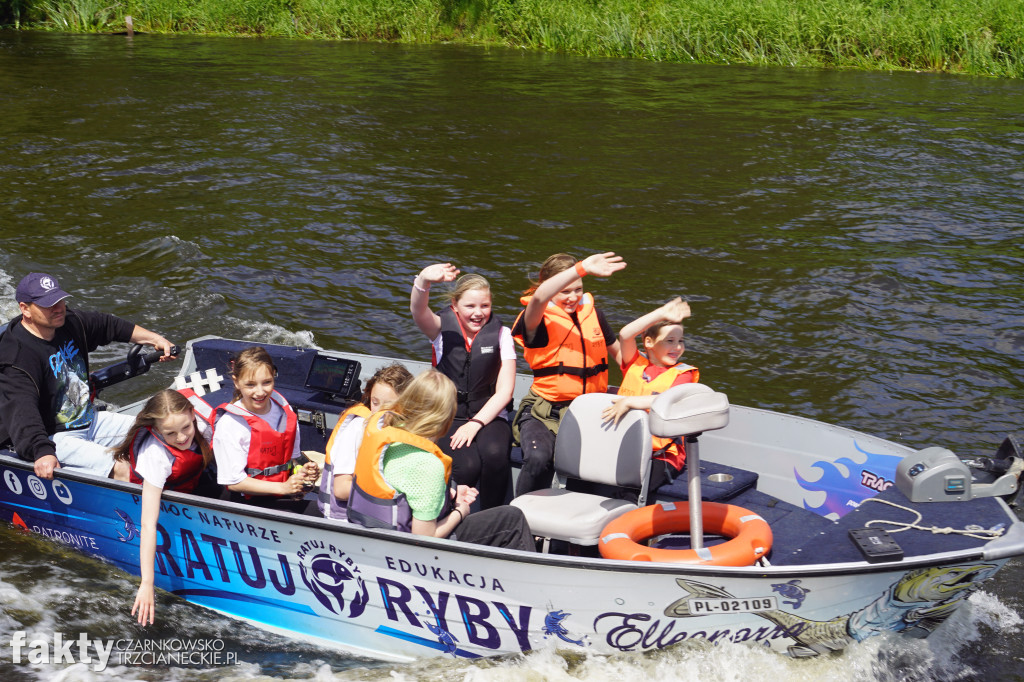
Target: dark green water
<point>851,244</point>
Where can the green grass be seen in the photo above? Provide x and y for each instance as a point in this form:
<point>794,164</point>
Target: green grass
<point>79,15</point>
<point>980,37</point>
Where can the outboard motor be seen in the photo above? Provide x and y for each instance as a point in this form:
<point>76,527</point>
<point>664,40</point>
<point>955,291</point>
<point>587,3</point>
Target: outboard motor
<point>938,475</point>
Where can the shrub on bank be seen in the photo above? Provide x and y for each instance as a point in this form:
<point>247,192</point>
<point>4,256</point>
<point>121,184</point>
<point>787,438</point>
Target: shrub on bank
<point>984,37</point>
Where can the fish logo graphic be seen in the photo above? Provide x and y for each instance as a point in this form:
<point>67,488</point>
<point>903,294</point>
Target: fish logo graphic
<point>326,578</point>
<point>553,626</point>
<point>446,639</point>
<point>130,530</point>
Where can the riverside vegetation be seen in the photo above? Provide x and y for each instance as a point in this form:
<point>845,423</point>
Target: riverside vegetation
<point>977,37</point>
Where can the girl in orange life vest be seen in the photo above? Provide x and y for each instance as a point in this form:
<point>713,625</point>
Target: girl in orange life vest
<point>399,465</point>
<point>382,390</point>
<point>644,375</point>
<point>164,449</point>
<point>256,439</point>
<point>568,344</point>
<point>473,349</point>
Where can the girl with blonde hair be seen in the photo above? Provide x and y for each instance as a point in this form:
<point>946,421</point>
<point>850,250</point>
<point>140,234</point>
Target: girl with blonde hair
<point>402,479</point>
<point>473,349</point>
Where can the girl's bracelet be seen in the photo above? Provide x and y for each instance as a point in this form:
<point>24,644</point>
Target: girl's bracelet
<point>474,419</point>
<point>461,517</point>
<point>580,270</point>
<point>417,287</point>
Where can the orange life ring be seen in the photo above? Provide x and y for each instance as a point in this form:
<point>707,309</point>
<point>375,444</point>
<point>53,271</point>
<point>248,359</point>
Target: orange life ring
<point>751,535</point>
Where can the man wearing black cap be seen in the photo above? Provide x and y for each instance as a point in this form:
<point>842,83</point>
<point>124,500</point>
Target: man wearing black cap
<point>46,412</point>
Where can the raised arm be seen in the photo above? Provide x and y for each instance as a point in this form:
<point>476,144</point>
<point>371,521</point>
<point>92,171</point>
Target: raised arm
<point>674,311</point>
<point>419,299</point>
<point>599,264</point>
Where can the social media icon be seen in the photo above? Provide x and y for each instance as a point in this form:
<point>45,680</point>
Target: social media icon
<point>62,492</point>
<point>35,484</point>
<point>13,482</point>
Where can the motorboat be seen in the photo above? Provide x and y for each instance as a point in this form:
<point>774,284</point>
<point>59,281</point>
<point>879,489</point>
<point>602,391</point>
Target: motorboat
<point>789,533</point>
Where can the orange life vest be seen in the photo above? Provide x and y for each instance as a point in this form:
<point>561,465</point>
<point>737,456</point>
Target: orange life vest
<point>330,506</point>
<point>575,361</point>
<point>373,502</point>
<point>636,382</point>
<point>357,410</point>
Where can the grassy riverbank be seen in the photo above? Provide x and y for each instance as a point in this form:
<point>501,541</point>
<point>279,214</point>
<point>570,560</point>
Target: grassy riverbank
<point>982,37</point>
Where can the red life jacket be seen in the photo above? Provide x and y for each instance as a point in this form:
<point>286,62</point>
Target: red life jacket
<point>203,410</point>
<point>636,381</point>
<point>575,361</point>
<point>270,450</point>
<point>186,465</point>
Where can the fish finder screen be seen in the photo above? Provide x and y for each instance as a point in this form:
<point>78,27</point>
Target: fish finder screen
<point>332,375</point>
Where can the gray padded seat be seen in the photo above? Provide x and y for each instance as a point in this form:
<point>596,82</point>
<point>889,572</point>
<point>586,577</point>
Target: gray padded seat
<point>590,450</point>
<point>688,409</point>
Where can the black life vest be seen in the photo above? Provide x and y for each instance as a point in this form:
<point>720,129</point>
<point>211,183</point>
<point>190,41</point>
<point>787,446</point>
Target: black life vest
<point>474,371</point>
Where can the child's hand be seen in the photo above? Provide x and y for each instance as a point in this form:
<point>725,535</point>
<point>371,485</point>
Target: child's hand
<point>144,604</point>
<point>675,310</point>
<point>296,483</point>
<point>310,470</point>
<point>439,272</point>
<point>603,264</point>
<point>465,495</point>
<point>616,411</point>
<point>465,434</point>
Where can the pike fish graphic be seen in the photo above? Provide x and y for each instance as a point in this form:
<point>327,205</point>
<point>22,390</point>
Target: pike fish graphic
<point>915,604</point>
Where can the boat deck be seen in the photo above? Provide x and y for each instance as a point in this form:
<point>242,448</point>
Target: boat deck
<point>832,542</point>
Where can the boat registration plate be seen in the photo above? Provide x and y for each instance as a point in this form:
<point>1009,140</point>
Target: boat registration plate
<point>715,606</point>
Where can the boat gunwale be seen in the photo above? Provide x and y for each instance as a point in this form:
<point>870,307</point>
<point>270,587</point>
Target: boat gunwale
<point>517,556</point>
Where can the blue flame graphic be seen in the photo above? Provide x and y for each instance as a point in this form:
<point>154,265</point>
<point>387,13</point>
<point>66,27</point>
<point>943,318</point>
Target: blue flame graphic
<point>844,489</point>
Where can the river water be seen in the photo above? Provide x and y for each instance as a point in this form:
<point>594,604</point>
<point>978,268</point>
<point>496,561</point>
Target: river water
<point>851,245</point>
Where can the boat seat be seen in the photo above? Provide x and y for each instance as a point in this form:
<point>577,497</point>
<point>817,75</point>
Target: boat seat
<point>589,449</point>
<point>688,410</point>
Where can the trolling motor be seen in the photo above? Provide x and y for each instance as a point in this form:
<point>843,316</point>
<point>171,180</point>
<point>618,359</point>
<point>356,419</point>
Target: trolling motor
<point>938,475</point>
<point>136,363</point>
